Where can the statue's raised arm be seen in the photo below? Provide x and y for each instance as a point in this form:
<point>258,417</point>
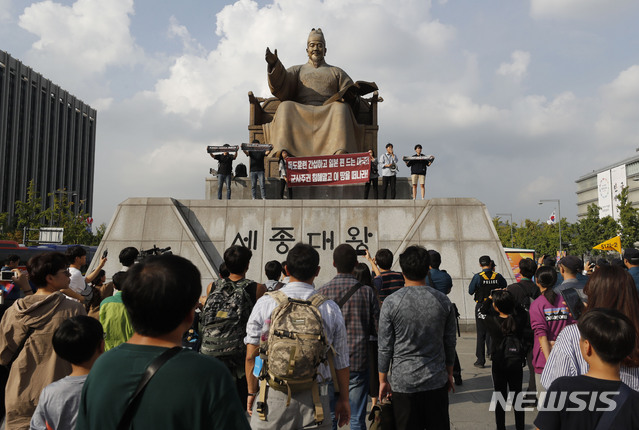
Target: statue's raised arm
<point>271,58</point>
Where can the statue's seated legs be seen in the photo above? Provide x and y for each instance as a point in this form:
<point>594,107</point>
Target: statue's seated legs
<point>305,130</point>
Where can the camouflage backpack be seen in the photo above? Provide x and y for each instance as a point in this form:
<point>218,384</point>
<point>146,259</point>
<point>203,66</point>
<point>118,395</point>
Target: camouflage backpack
<point>295,347</point>
<point>223,320</point>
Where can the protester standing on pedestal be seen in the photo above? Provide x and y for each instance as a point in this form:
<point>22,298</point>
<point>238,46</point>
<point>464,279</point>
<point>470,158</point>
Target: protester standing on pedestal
<point>388,162</point>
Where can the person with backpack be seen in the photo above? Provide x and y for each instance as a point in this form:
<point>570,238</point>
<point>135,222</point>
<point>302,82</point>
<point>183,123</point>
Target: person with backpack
<point>226,312</point>
<point>509,329</point>
<point>480,287</point>
<point>290,336</point>
<point>360,308</point>
<point>524,292</point>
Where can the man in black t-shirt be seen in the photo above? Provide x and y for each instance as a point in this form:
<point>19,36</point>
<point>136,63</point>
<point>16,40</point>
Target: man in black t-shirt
<point>224,172</point>
<point>257,171</point>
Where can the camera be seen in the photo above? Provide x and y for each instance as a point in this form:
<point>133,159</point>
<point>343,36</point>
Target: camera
<point>7,275</point>
<point>153,251</point>
<point>361,252</point>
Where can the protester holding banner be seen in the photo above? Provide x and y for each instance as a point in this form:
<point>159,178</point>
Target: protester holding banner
<point>373,176</point>
<point>283,175</point>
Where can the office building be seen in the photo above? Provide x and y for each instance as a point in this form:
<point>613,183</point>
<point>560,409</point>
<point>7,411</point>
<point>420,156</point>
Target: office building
<point>46,135</point>
<point>604,185</point>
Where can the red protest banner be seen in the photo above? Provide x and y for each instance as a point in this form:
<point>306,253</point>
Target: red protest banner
<point>328,169</point>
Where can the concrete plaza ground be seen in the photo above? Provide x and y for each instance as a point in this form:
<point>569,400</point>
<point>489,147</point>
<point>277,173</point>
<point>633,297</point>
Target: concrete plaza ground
<point>469,403</point>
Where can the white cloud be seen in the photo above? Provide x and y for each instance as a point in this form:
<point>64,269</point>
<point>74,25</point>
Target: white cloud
<point>517,68</point>
<point>80,41</point>
<point>577,9</point>
<point>619,119</point>
<point>5,11</point>
<point>180,31</point>
<point>198,81</point>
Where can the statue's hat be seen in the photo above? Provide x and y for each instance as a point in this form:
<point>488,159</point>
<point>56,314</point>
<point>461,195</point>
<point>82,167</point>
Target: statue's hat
<point>317,33</point>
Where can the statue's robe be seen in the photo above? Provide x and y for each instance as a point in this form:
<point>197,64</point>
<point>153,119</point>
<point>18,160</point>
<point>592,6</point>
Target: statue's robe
<point>302,124</point>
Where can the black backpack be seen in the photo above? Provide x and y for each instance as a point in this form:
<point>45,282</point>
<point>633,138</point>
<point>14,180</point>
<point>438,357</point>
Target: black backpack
<point>223,320</point>
<point>512,351</point>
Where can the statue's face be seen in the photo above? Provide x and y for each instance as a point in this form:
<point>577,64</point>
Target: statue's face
<point>315,49</point>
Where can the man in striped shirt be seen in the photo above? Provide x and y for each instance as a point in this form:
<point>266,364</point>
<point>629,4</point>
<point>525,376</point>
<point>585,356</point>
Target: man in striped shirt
<point>386,281</point>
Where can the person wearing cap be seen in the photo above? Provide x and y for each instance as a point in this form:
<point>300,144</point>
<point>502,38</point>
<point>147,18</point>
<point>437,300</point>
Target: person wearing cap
<point>480,287</point>
<point>418,170</point>
<point>388,162</point>
<point>631,260</point>
<point>569,267</point>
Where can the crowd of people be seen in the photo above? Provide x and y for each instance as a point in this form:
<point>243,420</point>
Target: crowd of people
<point>148,350</point>
<point>387,164</point>
<point>576,326</point>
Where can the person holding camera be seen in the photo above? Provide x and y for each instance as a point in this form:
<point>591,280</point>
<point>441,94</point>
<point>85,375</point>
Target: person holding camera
<point>389,170</point>
<point>510,331</point>
<point>14,284</point>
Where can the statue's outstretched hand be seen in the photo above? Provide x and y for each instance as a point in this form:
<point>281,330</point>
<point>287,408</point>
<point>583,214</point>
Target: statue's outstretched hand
<point>271,57</point>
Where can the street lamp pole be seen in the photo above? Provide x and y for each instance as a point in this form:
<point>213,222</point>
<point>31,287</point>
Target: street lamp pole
<point>541,202</point>
<point>512,241</point>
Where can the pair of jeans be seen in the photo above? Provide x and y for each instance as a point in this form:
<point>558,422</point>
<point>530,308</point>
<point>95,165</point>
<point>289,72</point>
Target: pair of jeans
<point>386,181</point>
<point>257,176</point>
<point>358,386</point>
<point>221,179</point>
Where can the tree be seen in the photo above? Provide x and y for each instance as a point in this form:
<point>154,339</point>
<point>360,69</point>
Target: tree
<point>592,230</point>
<point>62,214</point>
<point>29,214</point>
<point>628,220</point>
<point>503,232</point>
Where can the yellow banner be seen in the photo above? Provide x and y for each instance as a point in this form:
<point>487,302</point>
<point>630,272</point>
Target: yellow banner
<point>613,244</point>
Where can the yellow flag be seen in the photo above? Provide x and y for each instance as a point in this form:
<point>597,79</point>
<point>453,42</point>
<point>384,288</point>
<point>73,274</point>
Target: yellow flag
<point>613,244</point>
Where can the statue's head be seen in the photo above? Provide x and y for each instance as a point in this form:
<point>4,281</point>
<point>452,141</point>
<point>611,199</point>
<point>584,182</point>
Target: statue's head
<point>316,46</point>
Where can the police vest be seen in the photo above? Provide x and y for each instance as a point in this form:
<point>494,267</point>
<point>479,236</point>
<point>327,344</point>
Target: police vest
<point>486,285</point>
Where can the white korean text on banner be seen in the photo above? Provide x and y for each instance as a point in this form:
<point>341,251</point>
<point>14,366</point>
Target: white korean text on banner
<point>340,169</point>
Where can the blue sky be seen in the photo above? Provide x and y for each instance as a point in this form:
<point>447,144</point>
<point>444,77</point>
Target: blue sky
<point>516,99</point>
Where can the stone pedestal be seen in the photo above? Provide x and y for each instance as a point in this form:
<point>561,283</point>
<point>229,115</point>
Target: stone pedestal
<point>461,229</point>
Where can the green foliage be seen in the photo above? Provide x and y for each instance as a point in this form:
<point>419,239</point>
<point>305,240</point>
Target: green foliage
<point>29,214</point>
<point>628,220</point>
<point>503,231</point>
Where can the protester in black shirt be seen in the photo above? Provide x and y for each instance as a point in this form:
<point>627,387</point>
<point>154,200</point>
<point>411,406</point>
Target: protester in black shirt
<point>257,171</point>
<point>224,172</point>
